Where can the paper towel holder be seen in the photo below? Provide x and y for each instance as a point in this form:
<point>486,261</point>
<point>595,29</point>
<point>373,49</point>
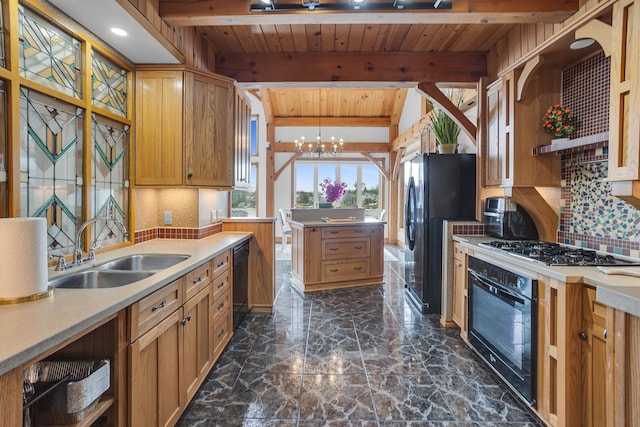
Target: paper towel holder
<point>35,297</point>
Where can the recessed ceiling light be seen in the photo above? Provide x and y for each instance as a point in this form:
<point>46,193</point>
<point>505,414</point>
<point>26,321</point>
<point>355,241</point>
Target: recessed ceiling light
<point>582,43</point>
<point>119,31</point>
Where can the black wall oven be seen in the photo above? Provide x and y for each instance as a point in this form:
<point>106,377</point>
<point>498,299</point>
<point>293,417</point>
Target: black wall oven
<point>503,316</point>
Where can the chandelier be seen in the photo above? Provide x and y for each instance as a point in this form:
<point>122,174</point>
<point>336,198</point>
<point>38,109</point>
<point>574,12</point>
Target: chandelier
<point>319,149</point>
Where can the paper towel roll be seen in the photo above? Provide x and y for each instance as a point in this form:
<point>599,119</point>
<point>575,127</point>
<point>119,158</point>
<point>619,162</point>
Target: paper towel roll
<point>23,257</point>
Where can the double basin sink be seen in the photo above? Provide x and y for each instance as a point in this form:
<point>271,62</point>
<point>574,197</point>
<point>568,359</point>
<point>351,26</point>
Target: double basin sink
<point>119,272</point>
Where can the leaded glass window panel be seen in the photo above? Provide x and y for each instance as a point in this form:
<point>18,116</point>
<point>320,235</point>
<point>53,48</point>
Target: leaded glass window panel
<point>51,159</point>
<point>4,189</point>
<point>48,55</point>
<point>2,54</point>
<point>110,183</point>
<point>109,85</point>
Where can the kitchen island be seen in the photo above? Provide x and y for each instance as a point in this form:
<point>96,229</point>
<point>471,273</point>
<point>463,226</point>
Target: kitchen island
<point>343,250</point>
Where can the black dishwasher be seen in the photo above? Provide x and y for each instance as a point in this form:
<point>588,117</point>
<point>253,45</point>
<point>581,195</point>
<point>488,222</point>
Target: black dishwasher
<point>240,283</point>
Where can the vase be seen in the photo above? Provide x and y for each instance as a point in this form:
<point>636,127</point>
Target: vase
<point>446,148</point>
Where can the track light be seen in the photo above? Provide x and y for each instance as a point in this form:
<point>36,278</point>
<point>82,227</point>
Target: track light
<point>357,4</point>
<point>269,4</point>
<point>398,4</point>
<point>311,4</point>
<point>436,4</point>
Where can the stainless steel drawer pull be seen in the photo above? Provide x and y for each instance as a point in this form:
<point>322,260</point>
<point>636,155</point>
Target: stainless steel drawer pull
<point>333,232</point>
<point>185,320</point>
<point>220,264</point>
<point>357,268</point>
<point>220,305</point>
<point>162,304</point>
<point>220,285</point>
<point>359,231</point>
<point>357,247</point>
<point>335,270</point>
<point>199,279</point>
<point>333,249</point>
<point>604,334</point>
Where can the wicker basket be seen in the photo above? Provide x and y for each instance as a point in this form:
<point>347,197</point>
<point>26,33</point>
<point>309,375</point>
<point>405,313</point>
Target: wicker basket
<point>72,401</point>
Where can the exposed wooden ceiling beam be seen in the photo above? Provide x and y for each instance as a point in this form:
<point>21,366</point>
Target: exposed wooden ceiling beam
<point>436,96</point>
<point>265,98</point>
<point>332,121</point>
<point>237,12</point>
<point>428,67</point>
<point>398,106</point>
<point>378,164</point>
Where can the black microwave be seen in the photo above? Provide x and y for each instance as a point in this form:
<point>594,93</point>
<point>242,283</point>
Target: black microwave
<point>506,219</point>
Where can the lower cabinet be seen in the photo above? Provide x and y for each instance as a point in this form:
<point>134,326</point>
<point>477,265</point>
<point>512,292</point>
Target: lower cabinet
<point>169,359</point>
<point>460,295</point>
<point>157,396</point>
<point>594,360</point>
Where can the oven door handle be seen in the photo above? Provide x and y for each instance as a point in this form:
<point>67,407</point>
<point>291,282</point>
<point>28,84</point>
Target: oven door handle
<point>496,289</point>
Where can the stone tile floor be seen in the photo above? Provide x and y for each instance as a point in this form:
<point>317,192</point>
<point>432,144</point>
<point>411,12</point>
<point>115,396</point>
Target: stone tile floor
<point>354,357</point>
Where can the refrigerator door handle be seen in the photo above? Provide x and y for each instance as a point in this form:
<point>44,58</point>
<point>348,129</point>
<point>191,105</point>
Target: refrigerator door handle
<point>410,214</point>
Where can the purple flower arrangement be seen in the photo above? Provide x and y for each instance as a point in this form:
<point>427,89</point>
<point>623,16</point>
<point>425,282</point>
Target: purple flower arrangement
<point>333,190</point>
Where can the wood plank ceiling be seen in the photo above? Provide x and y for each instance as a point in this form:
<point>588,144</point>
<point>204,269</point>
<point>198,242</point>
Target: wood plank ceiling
<point>285,53</point>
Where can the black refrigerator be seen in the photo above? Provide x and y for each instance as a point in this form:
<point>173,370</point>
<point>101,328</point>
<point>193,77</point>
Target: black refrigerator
<point>438,187</point>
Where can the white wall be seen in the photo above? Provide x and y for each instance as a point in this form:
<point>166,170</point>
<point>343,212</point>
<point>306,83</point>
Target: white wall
<point>411,111</point>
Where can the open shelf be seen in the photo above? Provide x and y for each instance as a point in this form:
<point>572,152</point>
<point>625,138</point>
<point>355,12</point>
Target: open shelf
<point>99,410</point>
<point>578,144</point>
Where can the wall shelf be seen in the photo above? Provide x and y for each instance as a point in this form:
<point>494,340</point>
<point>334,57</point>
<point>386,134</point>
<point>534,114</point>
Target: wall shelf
<point>572,145</point>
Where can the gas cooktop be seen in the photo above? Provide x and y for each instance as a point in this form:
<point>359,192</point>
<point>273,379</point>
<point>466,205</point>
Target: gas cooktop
<point>555,254</point>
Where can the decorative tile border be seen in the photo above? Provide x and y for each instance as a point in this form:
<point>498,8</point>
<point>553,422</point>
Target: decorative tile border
<point>468,229</point>
<point>177,232</point>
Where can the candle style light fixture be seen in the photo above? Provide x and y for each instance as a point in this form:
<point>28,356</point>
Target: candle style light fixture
<point>334,149</point>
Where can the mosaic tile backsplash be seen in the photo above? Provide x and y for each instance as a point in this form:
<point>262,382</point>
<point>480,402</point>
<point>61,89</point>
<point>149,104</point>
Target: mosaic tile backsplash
<point>590,216</point>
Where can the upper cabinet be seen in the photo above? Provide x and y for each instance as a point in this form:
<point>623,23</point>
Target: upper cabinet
<point>186,129</point>
<point>514,129</point>
<point>624,122</point>
<point>242,124</point>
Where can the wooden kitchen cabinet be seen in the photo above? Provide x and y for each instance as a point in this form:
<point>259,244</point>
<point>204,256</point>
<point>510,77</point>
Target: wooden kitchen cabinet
<point>184,129</point>
<point>330,257</point>
<point>242,140</point>
<point>594,360</point>
<point>221,317</point>
<point>514,129</point>
<point>624,111</point>
<point>197,340</point>
<point>460,295</point>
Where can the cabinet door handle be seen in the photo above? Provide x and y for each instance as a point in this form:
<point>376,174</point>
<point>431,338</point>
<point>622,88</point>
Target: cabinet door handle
<point>604,334</point>
<point>583,336</point>
<point>220,264</point>
<point>357,268</point>
<point>221,333</point>
<point>357,247</point>
<point>185,320</point>
<point>359,231</point>
<point>220,285</point>
<point>220,305</point>
<point>199,279</point>
<point>333,249</point>
<point>333,232</point>
<point>162,304</point>
<point>189,175</point>
<point>335,270</point>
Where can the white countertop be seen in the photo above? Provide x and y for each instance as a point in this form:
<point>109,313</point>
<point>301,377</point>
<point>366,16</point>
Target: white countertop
<point>312,223</point>
<point>617,291</point>
<point>31,328</point>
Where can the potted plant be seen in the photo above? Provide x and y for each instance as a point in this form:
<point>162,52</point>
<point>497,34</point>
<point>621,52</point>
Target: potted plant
<point>445,130</point>
<point>558,122</point>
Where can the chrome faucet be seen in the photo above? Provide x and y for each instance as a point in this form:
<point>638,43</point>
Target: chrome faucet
<point>77,250</point>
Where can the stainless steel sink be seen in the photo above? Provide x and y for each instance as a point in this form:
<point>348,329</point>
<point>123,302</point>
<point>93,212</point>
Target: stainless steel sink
<point>144,262</point>
<point>92,279</point>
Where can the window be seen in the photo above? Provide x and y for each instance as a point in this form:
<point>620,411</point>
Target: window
<point>244,202</point>
<point>253,134</point>
<point>362,178</point>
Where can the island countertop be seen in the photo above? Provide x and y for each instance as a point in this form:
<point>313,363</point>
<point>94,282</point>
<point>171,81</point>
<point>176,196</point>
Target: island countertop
<point>316,223</point>
<point>32,328</point>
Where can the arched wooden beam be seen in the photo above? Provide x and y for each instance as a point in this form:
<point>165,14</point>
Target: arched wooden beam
<point>377,164</point>
<point>286,164</point>
<point>527,71</point>
<point>396,165</point>
<point>599,31</point>
<point>436,96</point>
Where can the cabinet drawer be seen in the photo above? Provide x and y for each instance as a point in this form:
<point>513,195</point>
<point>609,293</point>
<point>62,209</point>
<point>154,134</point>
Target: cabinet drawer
<point>339,232</point>
<point>221,263</point>
<point>345,248</point>
<point>334,271</point>
<point>151,310</point>
<point>221,284</point>
<point>222,331</point>
<point>222,304</point>
<point>197,279</point>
